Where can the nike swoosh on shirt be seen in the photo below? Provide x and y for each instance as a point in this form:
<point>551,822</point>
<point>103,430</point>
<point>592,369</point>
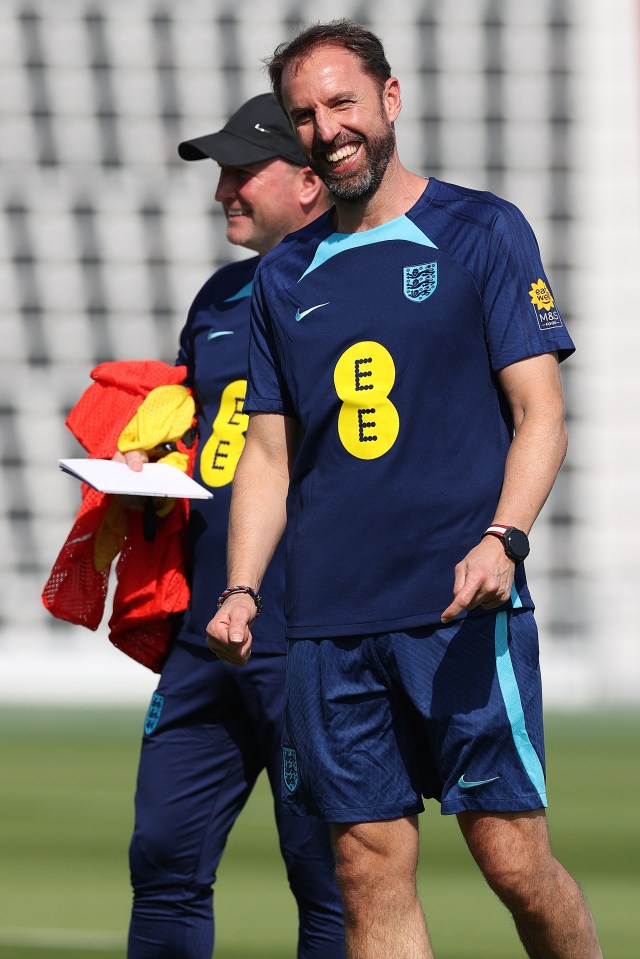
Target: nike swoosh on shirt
<point>466,784</point>
<point>211,335</point>
<point>304,313</point>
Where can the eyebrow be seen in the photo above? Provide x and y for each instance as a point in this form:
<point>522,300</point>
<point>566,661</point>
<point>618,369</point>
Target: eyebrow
<point>336,98</point>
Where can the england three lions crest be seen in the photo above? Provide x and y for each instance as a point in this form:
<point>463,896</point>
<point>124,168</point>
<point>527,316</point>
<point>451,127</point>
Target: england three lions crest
<point>420,281</point>
<point>153,713</point>
<point>290,768</point>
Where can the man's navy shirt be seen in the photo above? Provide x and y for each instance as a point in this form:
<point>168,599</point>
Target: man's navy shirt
<point>214,346</point>
<point>385,346</point>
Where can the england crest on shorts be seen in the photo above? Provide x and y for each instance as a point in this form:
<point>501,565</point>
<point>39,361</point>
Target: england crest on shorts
<point>420,281</point>
<point>153,713</point>
<point>290,768</point>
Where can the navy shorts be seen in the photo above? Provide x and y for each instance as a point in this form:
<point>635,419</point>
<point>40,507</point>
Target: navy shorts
<point>375,723</point>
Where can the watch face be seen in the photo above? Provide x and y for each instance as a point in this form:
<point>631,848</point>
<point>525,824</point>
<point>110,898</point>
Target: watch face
<point>516,543</point>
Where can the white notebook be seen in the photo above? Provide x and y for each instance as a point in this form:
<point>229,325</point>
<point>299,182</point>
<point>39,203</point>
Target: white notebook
<point>155,479</point>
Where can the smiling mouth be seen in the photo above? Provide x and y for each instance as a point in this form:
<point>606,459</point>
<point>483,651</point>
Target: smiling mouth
<point>343,153</point>
<point>231,214</point>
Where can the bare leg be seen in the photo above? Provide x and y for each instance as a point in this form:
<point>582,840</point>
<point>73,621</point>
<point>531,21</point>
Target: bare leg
<point>513,852</point>
<point>376,868</point>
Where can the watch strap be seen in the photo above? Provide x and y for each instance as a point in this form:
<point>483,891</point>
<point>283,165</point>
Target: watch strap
<point>496,529</point>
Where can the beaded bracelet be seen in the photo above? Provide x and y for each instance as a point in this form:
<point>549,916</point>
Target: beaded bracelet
<point>230,590</point>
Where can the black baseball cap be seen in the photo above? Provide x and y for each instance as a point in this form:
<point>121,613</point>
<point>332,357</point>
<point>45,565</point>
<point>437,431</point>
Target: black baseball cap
<point>259,130</point>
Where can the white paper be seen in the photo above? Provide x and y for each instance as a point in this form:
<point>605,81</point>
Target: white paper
<point>155,479</point>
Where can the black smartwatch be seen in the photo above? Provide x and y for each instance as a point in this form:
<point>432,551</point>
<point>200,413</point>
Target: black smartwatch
<point>515,542</point>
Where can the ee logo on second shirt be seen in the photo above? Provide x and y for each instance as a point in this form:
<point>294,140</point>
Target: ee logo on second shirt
<point>221,452</point>
<point>368,422</point>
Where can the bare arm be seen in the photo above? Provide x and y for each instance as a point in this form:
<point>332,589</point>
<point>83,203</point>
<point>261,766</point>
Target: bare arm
<point>256,524</point>
<point>534,391</point>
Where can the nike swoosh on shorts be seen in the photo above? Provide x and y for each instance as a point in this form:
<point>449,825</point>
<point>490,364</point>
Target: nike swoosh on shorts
<point>469,784</point>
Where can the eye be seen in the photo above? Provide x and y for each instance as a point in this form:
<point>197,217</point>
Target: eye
<point>299,119</point>
<point>235,171</point>
<point>243,175</point>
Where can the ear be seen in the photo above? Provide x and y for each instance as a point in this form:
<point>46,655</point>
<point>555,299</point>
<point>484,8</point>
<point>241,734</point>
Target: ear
<point>310,187</point>
<point>391,100</point>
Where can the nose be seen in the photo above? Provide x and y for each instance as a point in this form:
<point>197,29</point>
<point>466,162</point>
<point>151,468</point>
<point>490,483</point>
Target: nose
<point>227,184</point>
<point>326,126</point>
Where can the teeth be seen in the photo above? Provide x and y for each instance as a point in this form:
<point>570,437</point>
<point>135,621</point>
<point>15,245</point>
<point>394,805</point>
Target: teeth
<point>231,213</point>
<point>341,154</point>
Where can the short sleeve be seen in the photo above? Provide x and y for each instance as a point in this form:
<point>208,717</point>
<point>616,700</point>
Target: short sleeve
<point>266,389</point>
<point>520,312</point>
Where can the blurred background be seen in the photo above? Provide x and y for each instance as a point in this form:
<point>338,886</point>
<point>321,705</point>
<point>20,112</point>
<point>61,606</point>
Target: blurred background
<point>106,235</point>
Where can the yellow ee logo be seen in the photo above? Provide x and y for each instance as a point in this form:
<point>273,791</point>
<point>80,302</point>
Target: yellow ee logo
<point>541,295</point>
<point>368,422</point>
<point>221,452</point>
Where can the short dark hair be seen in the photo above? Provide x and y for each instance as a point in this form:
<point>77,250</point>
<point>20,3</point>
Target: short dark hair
<point>343,33</point>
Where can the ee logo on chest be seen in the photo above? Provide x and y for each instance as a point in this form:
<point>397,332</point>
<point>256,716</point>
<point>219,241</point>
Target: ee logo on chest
<point>368,422</point>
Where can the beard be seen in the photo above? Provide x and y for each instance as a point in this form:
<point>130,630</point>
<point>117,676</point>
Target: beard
<point>353,188</point>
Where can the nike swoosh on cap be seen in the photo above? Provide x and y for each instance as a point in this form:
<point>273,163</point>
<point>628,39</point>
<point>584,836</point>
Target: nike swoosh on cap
<point>470,784</point>
<point>300,315</point>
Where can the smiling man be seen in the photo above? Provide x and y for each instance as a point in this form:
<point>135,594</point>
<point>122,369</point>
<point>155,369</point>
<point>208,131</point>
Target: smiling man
<point>405,401</point>
<point>210,729</point>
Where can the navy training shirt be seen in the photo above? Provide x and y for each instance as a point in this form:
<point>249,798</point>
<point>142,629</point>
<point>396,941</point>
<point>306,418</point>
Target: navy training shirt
<point>214,346</point>
<point>385,345</point>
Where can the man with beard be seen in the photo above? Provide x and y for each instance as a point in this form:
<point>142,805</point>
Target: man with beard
<point>405,400</point>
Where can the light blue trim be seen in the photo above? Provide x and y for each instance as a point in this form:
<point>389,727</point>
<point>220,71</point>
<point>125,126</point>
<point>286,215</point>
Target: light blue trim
<point>402,228</point>
<point>516,602</point>
<point>241,294</point>
<point>513,704</point>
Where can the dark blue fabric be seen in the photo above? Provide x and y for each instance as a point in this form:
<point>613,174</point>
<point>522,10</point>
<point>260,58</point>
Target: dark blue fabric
<point>385,345</point>
<point>214,345</point>
<point>212,727</point>
<point>373,724</point>
<point>216,729</point>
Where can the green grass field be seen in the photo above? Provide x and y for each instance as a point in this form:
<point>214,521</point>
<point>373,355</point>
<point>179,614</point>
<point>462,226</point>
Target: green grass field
<point>66,815</point>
